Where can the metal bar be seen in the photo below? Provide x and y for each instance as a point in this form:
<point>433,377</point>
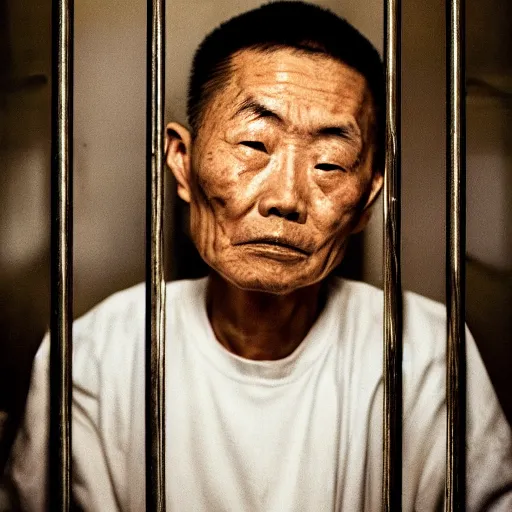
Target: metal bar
<point>61,256</point>
<point>455,263</point>
<point>155,281</point>
<point>392,427</point>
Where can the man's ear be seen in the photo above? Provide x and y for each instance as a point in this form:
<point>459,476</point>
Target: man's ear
<point>178,146</point>
<point>366,214</point>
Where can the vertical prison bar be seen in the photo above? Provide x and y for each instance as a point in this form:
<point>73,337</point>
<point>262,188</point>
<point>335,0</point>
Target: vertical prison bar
<point>61,265</point>
<point>61,255</point>
<point>392,426</point>
<point>455,253</point>
<point>155,283</point>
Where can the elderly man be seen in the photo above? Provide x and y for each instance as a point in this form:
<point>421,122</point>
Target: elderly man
<point>274,367</point>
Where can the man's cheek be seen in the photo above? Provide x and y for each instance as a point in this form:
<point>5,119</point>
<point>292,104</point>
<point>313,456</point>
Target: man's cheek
<point>334,218</point>
<point>345,216</point>
<point>208,227</point>
<point>217,187</point>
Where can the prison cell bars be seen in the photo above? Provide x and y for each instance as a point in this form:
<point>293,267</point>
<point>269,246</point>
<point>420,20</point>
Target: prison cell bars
<point>61,261</point>
<point>392,371</point>
<point>61,256</point>
<point>155,280</point>
<point>455,254</point>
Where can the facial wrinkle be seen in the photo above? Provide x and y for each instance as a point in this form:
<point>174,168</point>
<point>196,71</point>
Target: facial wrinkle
<point>249,190</point>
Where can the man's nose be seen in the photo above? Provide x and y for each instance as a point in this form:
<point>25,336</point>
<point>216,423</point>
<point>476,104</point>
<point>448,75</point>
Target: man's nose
<point>284,191</point>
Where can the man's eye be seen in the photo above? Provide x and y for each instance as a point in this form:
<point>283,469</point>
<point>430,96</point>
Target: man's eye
<point>329,167</point>
<point>254,144</point>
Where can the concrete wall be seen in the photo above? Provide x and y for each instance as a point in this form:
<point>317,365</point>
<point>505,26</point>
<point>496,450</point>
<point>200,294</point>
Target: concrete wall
<point>109,136</point>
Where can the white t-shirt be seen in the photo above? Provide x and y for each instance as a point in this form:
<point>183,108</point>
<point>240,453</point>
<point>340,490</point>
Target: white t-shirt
<point>302,433</point>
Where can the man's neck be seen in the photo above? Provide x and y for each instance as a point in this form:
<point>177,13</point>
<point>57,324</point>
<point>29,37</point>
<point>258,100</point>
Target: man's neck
<point>261,326</point>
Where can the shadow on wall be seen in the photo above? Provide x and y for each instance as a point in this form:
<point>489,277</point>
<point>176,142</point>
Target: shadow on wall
<point>489,296</point>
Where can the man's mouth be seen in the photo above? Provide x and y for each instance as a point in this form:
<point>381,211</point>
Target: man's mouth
<point>277,243</point>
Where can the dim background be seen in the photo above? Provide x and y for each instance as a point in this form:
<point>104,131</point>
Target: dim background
<point>109,165</point>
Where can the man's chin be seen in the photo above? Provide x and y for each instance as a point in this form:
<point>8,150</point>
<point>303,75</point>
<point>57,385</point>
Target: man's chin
<point>277,284</point>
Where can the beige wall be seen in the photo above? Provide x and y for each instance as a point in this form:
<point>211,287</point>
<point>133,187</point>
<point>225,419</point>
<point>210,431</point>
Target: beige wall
<point>110,140</point>
<point>110,137</point>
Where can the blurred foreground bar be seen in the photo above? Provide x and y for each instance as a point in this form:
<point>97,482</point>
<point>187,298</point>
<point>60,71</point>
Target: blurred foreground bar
<point>392,427</point>
<point>155,279</point>
<point>61,255</point>
<point>455,258</point>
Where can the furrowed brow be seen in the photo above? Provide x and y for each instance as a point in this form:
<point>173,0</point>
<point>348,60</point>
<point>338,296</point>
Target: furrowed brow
<point>341,132</point>
<point>251,107</point>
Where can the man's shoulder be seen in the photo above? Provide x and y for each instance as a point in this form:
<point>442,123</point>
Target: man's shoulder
<point>368,300</point>
<point>361,308</point>
<point>117,323</point>
<point>119,313</point>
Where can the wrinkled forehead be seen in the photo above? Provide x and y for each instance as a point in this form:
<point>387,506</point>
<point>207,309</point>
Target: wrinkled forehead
<point>304,88</point>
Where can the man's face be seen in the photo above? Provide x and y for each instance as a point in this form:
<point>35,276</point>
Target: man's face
<point>280,172</point>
